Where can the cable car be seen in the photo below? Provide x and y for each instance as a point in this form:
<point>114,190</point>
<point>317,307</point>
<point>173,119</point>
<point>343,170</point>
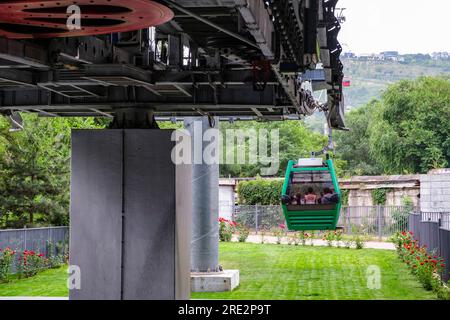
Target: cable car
<point>301,211</point>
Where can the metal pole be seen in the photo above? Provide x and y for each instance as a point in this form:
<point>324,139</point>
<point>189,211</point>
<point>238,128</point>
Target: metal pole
<point>379,222</point>
<point>256,219</point>
<point>205,202</point>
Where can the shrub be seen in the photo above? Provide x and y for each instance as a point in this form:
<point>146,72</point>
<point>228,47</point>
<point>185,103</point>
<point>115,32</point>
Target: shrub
<point>279,232</point>
<point>427,267</point>
<point>348,243</point>
<point>226,229</point>
<point>243,232</point>
<point>30,263</point>
<point>260,191</point>
<point>338,237</point>
<point>263,234</point>
<point>293,238</point>
<point>54,259</point>
<point>379,196</point>
<point>6,259</point>
<point>329,237</point>
<point>311,238</point>
<point>303,237</point>
<point>358,237</point>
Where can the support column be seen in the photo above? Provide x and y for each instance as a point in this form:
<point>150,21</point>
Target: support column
<point>205,201</point>
<point>206,275</point>
<point>130,216</point>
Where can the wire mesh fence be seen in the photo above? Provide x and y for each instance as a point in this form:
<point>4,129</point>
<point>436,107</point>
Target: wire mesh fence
<point>374,221</point>
<point>35,239</point>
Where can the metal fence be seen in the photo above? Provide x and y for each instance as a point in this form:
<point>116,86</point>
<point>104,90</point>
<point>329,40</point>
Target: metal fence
<point>432,229</point>
<point>35,239</point>
<point>374,221</point>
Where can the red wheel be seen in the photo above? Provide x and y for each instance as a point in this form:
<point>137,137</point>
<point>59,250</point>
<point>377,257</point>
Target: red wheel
<point>48,19</point>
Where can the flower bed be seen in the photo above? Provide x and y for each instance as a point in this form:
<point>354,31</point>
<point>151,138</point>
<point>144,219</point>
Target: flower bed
<point>27,263</point>
<point>426,266</point>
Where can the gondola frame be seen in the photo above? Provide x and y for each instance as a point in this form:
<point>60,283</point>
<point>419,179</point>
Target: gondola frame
<point>312,214</point>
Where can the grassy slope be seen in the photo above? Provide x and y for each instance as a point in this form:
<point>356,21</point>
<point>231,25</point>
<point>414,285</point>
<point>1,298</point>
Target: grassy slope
<point>278,272</point>
<point>287,272</point>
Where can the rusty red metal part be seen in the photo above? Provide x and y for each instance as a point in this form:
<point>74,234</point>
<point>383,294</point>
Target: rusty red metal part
<point>25,19</point>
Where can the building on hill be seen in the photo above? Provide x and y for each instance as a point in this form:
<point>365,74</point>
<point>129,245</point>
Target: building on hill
<point>390,55</point>
<point>440,56</point>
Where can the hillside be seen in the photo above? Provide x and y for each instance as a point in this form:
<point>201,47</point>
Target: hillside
<point>370,78</point>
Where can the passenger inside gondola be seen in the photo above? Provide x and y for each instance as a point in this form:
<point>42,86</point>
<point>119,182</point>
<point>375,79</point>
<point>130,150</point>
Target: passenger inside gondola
<point>310,197</point>
<point>329,197</point>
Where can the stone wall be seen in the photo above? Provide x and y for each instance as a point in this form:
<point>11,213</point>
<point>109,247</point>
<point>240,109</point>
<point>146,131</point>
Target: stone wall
<point>435,191</point>
<point>398,187</point>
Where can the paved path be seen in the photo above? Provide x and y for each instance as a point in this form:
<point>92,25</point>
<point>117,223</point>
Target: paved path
<point>319,243</point>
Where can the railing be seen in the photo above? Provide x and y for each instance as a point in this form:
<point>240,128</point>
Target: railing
<point>374,221</point>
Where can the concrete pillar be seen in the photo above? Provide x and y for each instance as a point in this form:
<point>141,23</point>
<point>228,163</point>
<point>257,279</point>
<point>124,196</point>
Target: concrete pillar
<point>205,204</point>
<point>130,216</point>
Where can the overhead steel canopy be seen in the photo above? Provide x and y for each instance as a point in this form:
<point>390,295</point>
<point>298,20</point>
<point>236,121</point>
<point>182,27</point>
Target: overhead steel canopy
<point>240,59</point>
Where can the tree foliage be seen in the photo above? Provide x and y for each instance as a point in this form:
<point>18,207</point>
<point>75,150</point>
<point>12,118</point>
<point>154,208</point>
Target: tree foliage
<point>295,141</point>
<point>35,171</point>
<point>260,191</point>
<point>407,131</point>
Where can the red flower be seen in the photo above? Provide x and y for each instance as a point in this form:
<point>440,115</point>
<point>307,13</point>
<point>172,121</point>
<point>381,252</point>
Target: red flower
<point>443,265</point>
<point>40,255</point>
<point>222,219</point>
<point>421,263</point>
<point>418,258</point>
<point>282,226</point>
<point>233,223</point>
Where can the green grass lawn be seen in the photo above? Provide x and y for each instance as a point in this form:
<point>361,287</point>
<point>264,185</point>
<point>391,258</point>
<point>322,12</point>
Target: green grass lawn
<point>289,272</point>
<point>279,272</point>
<point>48,283</point>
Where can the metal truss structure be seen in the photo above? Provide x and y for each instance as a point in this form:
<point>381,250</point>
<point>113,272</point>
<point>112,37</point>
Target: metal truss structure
<point>234,59</point>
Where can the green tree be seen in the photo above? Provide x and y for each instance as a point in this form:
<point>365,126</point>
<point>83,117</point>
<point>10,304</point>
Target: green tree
<point>35,171</point>
<point>353,146</point>
<point>409,132</point>
<point>295,141</point>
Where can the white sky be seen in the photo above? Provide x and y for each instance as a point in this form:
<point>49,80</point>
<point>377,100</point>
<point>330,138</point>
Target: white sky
<point>407,26</point>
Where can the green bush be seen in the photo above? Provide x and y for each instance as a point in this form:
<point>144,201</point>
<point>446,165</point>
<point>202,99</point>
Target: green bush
<point>260,191</point>
<point>379,196</point>
<point>6,259</point>
<point>243,232</point>
<point>30,263</point>
<point>226,229</point>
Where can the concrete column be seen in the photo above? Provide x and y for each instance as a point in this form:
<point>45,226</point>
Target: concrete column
<point>130,216</point>
<point>205,202</point>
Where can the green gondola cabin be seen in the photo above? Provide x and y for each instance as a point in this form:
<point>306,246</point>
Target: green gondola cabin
<point>319,176</point>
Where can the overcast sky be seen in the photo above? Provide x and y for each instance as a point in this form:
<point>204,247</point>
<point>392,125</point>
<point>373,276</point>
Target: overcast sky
<point>407,26</point>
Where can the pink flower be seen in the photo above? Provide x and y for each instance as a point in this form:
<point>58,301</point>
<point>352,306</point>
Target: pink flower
<point>282,226</point>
